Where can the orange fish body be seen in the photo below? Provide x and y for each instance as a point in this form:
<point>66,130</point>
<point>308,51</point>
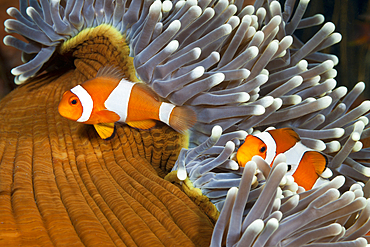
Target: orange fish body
<point>306,165</point>
<point>108,98</point>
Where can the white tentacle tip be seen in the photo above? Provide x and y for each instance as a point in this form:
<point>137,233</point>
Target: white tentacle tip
<point>327,173</point>
<point>181,174</point>
<point>355,136</point>
<point>166,6</point>
<point>230,145</point>
<point>15,71</point>
<point>216,131</point>
<point>283,181</point>
<point>29,11</point>
<point>7,40</point>
<point>357,147</point>
<point>233,166</point>
<point>10,10</point>
<point>232,191</point>
<point>329,26</point>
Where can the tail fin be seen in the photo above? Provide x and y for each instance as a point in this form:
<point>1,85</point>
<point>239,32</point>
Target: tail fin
<point>182,118</point>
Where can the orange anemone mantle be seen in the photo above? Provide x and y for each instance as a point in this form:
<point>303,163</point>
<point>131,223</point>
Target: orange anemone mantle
<point>60,184</point>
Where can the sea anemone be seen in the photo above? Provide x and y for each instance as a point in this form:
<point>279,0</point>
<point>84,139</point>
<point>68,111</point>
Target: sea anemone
<point>242,69</point>
<point>269,208</point>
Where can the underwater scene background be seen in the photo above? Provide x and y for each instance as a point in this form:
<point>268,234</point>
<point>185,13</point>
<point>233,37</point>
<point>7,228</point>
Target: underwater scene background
<point>241,68</point>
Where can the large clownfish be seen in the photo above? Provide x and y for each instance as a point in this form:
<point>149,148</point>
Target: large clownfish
<point>304,164</point>
<point>108,98</point>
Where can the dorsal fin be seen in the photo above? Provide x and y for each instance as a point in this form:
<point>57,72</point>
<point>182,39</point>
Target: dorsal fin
<point>110,72</point>
<point>291,133</point>
<point>144,87</point>
<point>285,139</point>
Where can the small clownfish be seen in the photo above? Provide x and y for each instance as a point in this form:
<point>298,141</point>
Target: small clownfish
<point>304,164</point>
<point>108,98</point>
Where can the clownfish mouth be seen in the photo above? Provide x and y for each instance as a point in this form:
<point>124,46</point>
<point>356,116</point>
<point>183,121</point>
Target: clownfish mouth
<point>63,111</point>
<point>243,157</point>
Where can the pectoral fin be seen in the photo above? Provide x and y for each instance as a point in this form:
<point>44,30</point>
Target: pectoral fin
<point>106,116</point>
<point>105,130</point>
<point>144,124</point>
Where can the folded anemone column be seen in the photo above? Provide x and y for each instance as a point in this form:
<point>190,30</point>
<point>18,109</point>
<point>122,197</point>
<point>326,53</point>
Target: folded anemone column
<point>62,185</point>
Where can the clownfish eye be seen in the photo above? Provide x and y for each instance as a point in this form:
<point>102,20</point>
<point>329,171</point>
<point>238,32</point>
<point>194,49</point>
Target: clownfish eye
<point>73,101</point>
<point>262,149</point>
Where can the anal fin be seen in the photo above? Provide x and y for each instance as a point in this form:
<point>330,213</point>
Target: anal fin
<point>143,124</point>
<point>105,130</point>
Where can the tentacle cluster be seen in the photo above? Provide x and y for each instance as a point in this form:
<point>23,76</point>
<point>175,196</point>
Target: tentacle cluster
<point>211,55</point>
<point>245,68</point>
<point>268,208</point>
<point>289,221</point>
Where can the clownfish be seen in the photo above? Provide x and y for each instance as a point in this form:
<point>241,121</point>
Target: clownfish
<point>304,164</point>
<point>109,98</point>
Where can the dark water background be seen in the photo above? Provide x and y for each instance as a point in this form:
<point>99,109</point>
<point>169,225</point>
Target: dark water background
<point>352,20</point>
